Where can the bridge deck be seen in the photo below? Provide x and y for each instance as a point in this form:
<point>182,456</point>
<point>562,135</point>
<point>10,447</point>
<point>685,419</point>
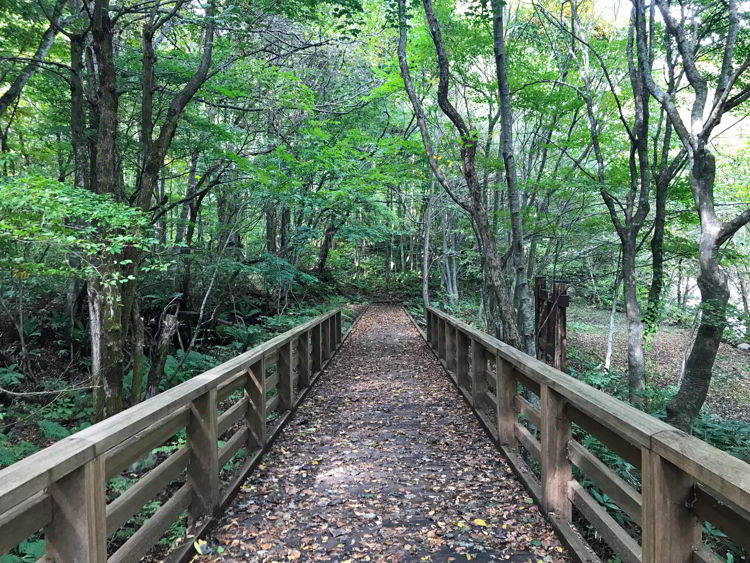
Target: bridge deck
<point>384,462</point>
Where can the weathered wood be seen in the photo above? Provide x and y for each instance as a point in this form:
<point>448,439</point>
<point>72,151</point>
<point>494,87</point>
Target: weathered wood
<point>556,467</point>
<point>613,441</point>
<point>120,510</point>
<point>232,415</point>
<point>272,404</point>
<point>152,529</point>
<point>226,389</point>
<point>528,441</point>
<point>478,376</point>
<point>271,381</point>
<point>203,470</point>
<point>255,417</point>
<point>730,519</point>
<point>325,330</point>
<point>77,531</point>
<point>703,555</point>
<point>528,410</point>
<point>622,494</point>
<point>120,457</point>
<point>450,348</point>
<point>505,390</point>
<point>428,326</point>
<point>286,386</point>
<point>338,330</point>
<point>670,531</point>
<point>615,536</point>
<point>463,344</point>
<point>233,445</point>
<point>303,359</point>
<point>317,348</point>
<point>442,326</point>
<point>24,520</point>
<point>717,470</point>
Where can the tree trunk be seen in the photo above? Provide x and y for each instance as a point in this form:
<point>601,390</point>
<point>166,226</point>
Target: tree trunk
<point>426,246</point>
<point>636,360</point>
<point>714,288</point>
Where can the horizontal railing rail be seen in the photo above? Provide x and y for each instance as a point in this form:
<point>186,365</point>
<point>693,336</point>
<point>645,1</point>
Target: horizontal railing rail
<point>534,412</point>
<point>62,490</point>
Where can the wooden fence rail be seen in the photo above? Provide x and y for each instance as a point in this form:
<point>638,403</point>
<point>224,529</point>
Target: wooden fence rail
<point>62,490</point>
<point>535,412</point>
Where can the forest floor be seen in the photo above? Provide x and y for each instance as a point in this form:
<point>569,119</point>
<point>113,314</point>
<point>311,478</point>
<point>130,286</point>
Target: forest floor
<point>729,394</point>
<point>384,462</point>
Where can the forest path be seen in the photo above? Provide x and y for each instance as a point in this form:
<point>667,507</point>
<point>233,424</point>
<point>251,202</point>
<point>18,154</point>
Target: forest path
<point>384,462</point>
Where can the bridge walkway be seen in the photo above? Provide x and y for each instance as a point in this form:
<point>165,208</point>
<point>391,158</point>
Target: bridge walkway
<point>383,462</point>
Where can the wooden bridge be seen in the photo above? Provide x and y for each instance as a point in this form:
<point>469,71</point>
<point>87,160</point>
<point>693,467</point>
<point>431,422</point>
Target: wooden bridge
<point>383,462</point>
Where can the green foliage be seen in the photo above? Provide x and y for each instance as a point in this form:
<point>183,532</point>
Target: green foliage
<point>52,430</point>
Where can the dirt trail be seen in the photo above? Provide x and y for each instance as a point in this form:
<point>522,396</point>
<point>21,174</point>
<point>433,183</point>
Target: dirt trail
<point>384,462</point>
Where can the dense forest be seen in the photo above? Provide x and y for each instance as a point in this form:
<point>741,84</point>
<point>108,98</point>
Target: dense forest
<point>179,180</point>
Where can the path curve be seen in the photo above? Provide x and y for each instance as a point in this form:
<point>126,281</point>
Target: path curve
<point>384,462</point>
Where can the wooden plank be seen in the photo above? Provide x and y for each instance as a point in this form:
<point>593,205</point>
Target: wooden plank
<point>325,333</point>
<point>478,377</point>
<point>505,390</point>
<point>717,470</point>
<point>203,470</point>
<point>286,386</point>
<point>272,404</point>
<point>272,381</point>
<point>613,441</point>
<point>528,441</point>
<point>77,531</point>
<point>233,445</point>
<point>317,350</point>
<point>129,451</point>
<point>615,536</point>
<point>635,426</point>
<point>525,408</point>
<point>450,348</point>
<point>442,326</point>
<point>303,359</point>
<point>255,417</point>
<point>152,529</point>
<point>229,387</point>
<point>233,415</point>
<point>731,520</point>
<point>272,358</point>
<point>24,520</point>
<point>704,555</point>
<point>622,494</point>
<point>670,532</point>
<point>556,467</point>
<point>463,344</point>
<point>428,326</point>
<point>120,510</point>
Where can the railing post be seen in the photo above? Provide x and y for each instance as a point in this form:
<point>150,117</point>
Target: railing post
<point>256,410</point>
<point>203,471</point>
<point>556,467</point>
<point>78,531</point>
<point>442,325</point>
<point>325,330</point>
<point>339,333</point>
<point>670,531</point>
<point>315,336</point>
<point>428,325</point>
<point>505,392</point>
<point>462,359</point>
<point>286,383</point>
<point>303,355</point>
<point>478,373</point>
<point>332,336</point>
<point>450,347</point>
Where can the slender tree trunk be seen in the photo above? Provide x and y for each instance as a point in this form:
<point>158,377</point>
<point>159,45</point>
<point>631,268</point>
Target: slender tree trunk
<point>525,312</point>
<point>636,359</point>
<point>426,245</point>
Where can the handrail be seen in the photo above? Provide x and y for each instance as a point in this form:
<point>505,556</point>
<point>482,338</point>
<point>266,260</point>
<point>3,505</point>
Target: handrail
<point>684,481</point>
<point>61,489</point>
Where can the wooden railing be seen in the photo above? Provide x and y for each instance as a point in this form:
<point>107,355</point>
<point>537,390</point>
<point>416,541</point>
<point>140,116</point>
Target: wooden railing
<point>62,490</point>
<point>684,482</point>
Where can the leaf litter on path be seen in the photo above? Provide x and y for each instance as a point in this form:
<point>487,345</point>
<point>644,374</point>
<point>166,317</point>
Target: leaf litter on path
<point>383,462</point>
